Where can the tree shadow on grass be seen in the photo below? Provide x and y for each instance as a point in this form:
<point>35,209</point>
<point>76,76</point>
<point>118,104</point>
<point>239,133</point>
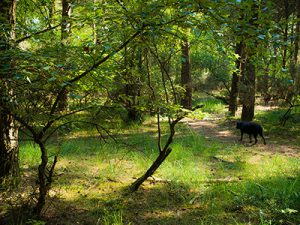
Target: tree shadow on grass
<point>176,203</point>
<point>273,199</point>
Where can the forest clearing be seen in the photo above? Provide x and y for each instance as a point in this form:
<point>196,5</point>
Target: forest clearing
<point>209,178</point>
<point>149,112</point>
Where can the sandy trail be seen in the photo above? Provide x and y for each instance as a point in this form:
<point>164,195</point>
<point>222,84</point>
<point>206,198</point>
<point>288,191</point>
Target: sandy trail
<point>214,129</point>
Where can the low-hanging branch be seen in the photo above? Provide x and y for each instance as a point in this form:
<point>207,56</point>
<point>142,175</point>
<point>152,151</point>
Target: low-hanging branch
<point>37,33</point>
<point>94,66</point>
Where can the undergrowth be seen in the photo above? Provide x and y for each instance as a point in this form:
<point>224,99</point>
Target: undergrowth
<point>203,181</point>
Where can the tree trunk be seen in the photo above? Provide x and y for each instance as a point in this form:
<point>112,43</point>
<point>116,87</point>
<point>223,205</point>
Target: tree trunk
<point>295,74</point>
<point>263,85</point>
<point>45,175</point>
<point>186,80</point>
<point>290,91</point>
<point>159,160</point>
<point>285,33</point>
<point>248,68</point>
<point>234,91</point>
<point>65,39</point>
<point>248,83</point>
<point>43,189</point>
<point>163,152</point>
<point>66,22</point>
<point>9,149</point>
<point>96,22</point>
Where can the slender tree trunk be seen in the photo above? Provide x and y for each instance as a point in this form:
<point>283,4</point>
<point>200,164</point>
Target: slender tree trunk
<point>285,34</point>
<point>43,189</point>
<point>186,80</point>
<point>289,93</point>
<point>45,175</point>
<point>295,73</point>
<point>9,149</point>
<point>65,39</point>
<point>163,152</point>
<point>95,27</point>
<point>66,22</point>
<point>159,160</point>
<point>234,91</point>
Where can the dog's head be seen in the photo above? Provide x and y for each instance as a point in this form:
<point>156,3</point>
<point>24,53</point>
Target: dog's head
<point>238,125</point>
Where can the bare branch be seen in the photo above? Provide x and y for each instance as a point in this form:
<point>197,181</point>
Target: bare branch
<point>50,122</point>
<point>39,32</point>
<point>95,65</point>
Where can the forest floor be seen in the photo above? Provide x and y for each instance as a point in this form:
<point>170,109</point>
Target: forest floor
<point>215,128</point>
<point>209,178</point>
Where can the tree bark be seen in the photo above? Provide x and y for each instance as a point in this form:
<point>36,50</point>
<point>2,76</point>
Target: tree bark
<point>234,91</point>
<point>248,82</point>
<point>248,68</point>
<point>43,187</point>
<point>159,160</point>
<point>163,154</point>
<point>66,23</point>
<point>9,149</point>
<point>186,80</point>
<point>295,74</point>
<point>65,39</point>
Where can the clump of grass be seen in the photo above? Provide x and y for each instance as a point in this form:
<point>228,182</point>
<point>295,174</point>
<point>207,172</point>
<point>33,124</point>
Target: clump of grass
<point>271,123</point>
<point>29,154</point>
<point>212,105</point>
<point>114,217</point>
<point>271,199</point>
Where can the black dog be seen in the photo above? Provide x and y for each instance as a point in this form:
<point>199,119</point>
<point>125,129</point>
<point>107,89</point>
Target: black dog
<point>250,128</point>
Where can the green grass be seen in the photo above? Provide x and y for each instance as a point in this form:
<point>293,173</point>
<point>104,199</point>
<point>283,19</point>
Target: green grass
<point>211,105</point>
<point>201,182</point>
<point>271,123</point>
<point>29,154</point>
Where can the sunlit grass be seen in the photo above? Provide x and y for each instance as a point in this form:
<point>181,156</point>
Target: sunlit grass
<point>201,182</point>
<point>212,105</point>
<point>29,154</point>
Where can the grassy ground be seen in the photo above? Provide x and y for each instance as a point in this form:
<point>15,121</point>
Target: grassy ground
<point>204,181</point>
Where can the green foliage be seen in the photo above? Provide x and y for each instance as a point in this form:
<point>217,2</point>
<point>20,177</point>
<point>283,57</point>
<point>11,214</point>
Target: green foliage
<point>121,62</point>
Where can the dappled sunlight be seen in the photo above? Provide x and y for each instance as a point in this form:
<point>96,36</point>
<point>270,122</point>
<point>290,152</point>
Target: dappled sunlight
<point>202,181</point>
<point>211,129</point>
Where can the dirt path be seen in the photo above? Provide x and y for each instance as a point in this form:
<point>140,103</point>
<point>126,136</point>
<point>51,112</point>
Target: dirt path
<point>213,128</point>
